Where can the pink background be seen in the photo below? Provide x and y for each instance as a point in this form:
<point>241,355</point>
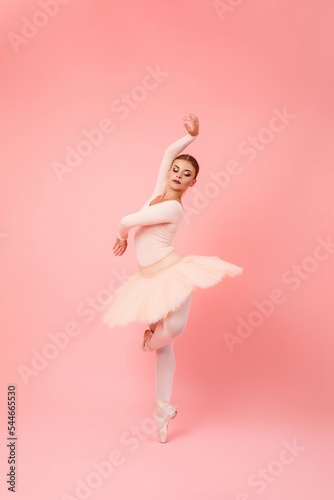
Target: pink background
<point>237,406</point>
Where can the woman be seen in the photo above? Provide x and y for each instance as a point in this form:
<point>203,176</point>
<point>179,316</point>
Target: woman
<point>160,293</point>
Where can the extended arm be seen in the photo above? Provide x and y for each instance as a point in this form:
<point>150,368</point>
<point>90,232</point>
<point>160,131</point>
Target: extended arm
<point>168,211</point>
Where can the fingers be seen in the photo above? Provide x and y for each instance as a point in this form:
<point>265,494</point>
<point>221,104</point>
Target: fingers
<point>191,117</point>
<point>119,249</point>
<point>193,127</point>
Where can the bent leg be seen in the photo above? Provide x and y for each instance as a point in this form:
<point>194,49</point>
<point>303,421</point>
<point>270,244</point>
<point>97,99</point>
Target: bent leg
<point>171,327</point>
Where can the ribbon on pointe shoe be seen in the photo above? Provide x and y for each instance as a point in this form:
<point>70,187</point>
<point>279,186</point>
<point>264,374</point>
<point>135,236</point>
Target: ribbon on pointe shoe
<point>164,412</point>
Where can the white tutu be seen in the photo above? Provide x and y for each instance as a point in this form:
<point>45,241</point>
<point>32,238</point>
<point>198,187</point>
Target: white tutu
<point>152,292</point>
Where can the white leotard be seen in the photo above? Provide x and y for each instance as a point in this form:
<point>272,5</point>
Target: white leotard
<point>157,223</point>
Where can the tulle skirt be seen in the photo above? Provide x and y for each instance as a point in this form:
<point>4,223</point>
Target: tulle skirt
<point>155,290</point>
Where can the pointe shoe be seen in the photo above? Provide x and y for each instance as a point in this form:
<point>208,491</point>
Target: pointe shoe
<point>146,345</point>
<point>165,412</point>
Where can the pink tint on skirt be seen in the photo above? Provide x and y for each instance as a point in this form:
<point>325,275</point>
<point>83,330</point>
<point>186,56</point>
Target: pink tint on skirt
<point>155,290</point>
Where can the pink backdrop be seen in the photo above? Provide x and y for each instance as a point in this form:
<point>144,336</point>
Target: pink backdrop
<point>93,92</point>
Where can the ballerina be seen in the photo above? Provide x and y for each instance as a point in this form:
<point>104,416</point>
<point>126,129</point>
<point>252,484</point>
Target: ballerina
<point>160,293</point>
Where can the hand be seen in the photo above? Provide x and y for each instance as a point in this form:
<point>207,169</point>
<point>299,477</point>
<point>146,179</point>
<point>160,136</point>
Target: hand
<point>193,128</point>
<point>120,247</point>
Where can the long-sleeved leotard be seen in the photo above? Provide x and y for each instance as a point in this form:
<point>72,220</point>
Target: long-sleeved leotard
<point>157,223</point>
<point>165,298</point>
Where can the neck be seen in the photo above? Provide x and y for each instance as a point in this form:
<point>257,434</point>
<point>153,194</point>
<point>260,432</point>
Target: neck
<point>169,194</point>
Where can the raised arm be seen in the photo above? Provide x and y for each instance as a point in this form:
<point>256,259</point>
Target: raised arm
<point>160,212</point>
<point>173,151</point>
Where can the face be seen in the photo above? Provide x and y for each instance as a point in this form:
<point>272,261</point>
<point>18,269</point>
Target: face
<point>183,172</point>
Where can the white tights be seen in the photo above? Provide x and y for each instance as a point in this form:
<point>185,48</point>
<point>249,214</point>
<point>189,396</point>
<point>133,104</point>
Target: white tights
<point>167,330</point>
